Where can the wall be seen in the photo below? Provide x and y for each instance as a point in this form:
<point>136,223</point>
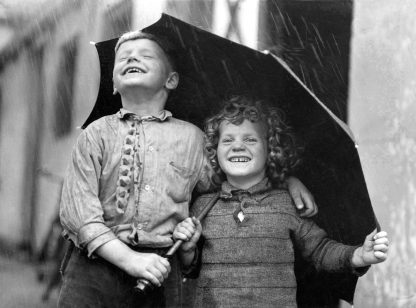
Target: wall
<point>382,112</point>
<point>78,25</point>
<point>13,129</point>
<point>33,158</point>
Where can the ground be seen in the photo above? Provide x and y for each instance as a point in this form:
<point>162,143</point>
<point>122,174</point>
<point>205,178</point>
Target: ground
<point>19,284</point>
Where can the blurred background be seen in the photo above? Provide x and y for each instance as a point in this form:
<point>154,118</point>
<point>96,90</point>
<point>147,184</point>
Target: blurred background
<point>356,56</point>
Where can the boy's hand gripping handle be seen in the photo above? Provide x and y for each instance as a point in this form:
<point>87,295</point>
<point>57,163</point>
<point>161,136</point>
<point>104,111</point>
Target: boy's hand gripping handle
<point>144,286</point>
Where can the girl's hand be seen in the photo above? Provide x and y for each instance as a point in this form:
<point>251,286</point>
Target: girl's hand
<point>189,231</point>
<point>373,251</point>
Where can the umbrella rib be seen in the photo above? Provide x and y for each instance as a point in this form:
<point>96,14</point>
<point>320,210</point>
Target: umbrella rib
<point>340,123</point>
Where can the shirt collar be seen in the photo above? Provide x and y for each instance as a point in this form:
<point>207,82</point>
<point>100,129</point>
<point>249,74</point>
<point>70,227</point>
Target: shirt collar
<point>161,116</point>
<point>228,191</point>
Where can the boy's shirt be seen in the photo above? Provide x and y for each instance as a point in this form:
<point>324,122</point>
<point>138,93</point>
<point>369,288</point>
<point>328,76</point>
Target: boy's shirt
<point>163,158</point>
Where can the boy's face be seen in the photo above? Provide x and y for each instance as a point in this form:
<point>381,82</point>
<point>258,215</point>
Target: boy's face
<point>141,63</point>
<point>242,153</point>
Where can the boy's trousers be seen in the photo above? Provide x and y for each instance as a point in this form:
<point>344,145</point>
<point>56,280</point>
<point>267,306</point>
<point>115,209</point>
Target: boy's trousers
<point>98,283</point>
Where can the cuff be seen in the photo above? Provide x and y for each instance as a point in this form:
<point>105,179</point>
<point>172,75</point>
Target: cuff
<point>360,271</point>
<point>93,235</point>
<point>192,270</point>
<point>357,271</point>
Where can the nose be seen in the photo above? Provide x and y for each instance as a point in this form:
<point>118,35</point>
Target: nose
<point>132,58</point>
<point>238,147</point>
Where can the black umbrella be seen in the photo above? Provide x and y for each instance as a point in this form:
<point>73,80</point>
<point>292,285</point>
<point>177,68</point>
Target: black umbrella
<point>213,68</point>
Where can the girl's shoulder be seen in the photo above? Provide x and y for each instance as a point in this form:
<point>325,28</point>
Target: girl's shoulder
<point>281,200</point>
<point>202,201</point>
<point>279,194</point>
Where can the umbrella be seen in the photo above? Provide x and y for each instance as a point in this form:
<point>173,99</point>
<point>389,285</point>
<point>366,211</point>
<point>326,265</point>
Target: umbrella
<point>213,68</point>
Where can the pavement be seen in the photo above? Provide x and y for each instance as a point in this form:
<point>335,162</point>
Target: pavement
<point>19,283</point>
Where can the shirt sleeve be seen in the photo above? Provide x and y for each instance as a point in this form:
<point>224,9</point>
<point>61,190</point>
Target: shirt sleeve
<point>80,209</point>
<point>205,183</point>
<point>205,175</point>
<point>192,271</point>
<point>325,253</point>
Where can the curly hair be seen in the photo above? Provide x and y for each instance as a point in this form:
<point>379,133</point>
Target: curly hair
<point>283,150</point>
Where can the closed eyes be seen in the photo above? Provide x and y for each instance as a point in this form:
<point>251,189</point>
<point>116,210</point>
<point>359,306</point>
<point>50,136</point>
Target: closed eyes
<point>250,140</point>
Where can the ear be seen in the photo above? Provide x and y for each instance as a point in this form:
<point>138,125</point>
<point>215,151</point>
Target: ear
<point>172,81</point>
<point>115,91</point>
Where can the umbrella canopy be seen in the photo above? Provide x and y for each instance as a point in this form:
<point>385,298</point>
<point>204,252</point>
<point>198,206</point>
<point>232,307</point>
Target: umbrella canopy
<point>212,68</point>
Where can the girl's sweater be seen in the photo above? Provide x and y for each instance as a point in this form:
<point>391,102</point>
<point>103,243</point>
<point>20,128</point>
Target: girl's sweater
<point>248,255</point>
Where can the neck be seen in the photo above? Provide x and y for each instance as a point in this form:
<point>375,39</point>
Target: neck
<point>244,183</point>
<point>143,104</point>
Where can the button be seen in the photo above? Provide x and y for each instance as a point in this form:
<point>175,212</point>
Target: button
<point>147,187</point>
<point>139,226</point>
<point>244,204</point>
<point>120,204</point>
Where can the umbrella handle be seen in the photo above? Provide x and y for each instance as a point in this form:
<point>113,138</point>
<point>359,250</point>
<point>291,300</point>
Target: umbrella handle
<point>144,286</point>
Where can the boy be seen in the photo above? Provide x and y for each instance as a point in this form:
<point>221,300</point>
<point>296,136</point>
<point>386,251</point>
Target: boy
<point>130,183</point>
<point>250,233</point>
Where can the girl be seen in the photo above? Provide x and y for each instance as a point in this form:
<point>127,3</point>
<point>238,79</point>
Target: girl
<point>250,233</point>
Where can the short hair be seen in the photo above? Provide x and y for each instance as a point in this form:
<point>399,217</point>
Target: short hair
<point>283,150</point>
<point>167,47</point>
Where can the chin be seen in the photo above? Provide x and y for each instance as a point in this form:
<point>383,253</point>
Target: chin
<point>239,174</point>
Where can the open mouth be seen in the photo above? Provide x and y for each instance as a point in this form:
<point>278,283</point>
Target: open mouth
<point>239,159</point>
<point>133,70</point>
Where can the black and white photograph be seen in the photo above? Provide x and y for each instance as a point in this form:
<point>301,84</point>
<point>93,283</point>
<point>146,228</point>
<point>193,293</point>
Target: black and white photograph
<point>207,153</point>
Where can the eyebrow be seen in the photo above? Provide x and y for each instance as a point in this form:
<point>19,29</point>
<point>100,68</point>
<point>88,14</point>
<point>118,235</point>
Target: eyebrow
<point>148,50</point>
<point>244,135</point>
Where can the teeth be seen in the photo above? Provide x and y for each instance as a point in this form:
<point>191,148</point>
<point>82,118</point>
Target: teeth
<point>134,70</point>
<point>239,159</point>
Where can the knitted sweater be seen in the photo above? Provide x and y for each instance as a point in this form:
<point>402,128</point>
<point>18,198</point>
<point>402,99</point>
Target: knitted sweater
<point>248,255</point>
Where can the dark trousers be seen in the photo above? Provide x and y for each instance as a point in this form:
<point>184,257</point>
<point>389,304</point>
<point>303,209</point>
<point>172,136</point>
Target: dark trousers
<point>97,283</point>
